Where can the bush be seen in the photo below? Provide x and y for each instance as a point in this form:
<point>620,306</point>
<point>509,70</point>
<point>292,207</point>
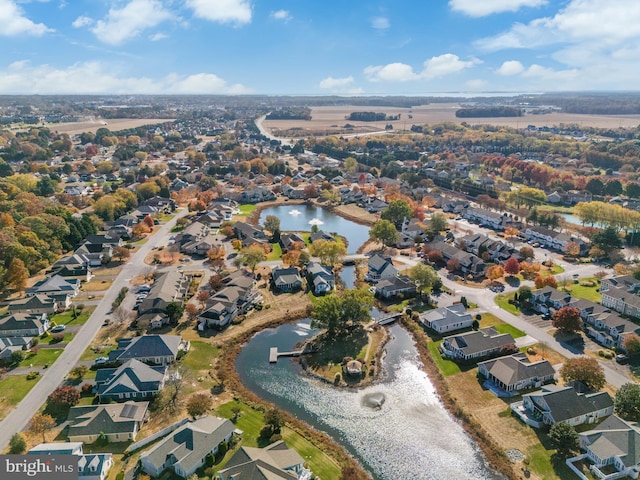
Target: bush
<point>17,444</point>
<point>32,375</point>
<point>336,381</point>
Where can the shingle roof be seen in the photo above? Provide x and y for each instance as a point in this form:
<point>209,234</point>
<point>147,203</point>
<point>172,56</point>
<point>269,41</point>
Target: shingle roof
<point>147,346</point>
<point>107,419</point>
<point>566,403</point>
<point>517,367</point>
<point>615,437</point>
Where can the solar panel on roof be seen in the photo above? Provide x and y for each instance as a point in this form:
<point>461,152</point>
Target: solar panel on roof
<point>129,411</point>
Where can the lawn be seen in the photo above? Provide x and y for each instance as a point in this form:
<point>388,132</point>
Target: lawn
<point>447,367</point>
<point>582,291</point>
<point>44,356</point>
<point>97,285</point>
<point>200,356</point>
<point>247,209</point>
<point>276,252</point>
<point>49,339</point>
<point>13,389</point>
<point>502,300</point>
<point>540,462</point>
<point>66,318</point>
<point>490,320</point>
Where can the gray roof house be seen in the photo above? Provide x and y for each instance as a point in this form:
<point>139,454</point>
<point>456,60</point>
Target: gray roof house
<point>615,443</point>
<point>622,301</point>
<point>379,267</point>
<point>90,466</point>
<point>274,462</point>
<point>34,304</point>
<point>168,287</point>
<point>514,373</point>
<point>118,422</point>
<point>393,286</point>
<point>320,278</point>
<point>555,404</point>
<point>131,380</point>
<point>447,319</point>
<point>248,234</point>
<point>477,344</point>
<point>185,449</point>
<point>56,284</point>
<point>8,345</point>
<point>286,279</point>
<point>24,325</point>
<point>157,349</point>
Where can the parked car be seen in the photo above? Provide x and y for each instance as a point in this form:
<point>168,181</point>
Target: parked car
<point>58,328</point>
<point>622,359</point>
<point>101,360</point>
<point>144,288</point>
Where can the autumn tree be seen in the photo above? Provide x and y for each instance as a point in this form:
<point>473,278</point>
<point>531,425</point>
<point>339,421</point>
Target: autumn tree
<point>435,257</point>
<point>585,370</point>
<point>385,232</point>
<point>199,404</point>
<point>271,223</point>
<point>216,252</point>
<point>121,253</point>
<point>202,296</point>
<point>148,221</point>
<point>631,345</point>
<point>567,319</point>
<point>495,272</point>
<point>527,253</point>
<point>511,266</point>
<point>328,251</point>
<point>62,399</point>
<point>572,249</point>
<point>291,258</point>
<point>252,256</point>
<point>215,282</point>
<point>529,270</point>
<point>548,281</point>
<point>41,423</point>
<point>274,420</point>
<point>16,275</point>
<point>192,311</point>
<point>453,265</point>
<point>627,402</point>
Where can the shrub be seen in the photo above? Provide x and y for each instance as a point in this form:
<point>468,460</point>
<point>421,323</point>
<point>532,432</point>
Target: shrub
<point>336,381</point>
<point>32,375</point>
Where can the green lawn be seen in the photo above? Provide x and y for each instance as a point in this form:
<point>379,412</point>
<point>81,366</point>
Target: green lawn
<point>44,356</point>
<point>50,340</point>
<point>89,354</point>
<point>540,462</point>
<point>276,252</point>
<point>447,367</point>
<point>200,356</point>
<point>502,300</point>
<point>490,320</point>
<point>246,209</point>
<point>581,291</point>
<point>66,318</point>
<point>13,389</point>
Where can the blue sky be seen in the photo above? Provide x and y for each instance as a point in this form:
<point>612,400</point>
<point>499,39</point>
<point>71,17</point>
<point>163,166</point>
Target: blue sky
<point>397,47</point>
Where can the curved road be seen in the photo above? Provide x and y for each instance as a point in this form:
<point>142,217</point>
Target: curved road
<point>20,416</point>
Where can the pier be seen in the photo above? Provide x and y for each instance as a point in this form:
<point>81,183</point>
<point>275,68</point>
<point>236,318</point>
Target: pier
<point>274,354</point>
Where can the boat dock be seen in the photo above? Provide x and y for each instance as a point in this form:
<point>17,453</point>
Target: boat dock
<point>274,354</point>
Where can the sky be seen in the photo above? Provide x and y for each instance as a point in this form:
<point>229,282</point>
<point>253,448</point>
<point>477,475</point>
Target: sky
<point>318,47</point>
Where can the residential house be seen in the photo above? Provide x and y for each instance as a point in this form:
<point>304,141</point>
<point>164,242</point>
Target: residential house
<point>493,220</point>
<point>470,264</point>
<point>184,450</point>
<point>34,304</point>
<point>615,443</point>
<point>239,296</point>
<point>390,287</point>
<point>620,300</point>
<point>514,373</point>
<point>320,235</point>
<point>248,234</point>
<point>547,298</point>
<point>288,241</point>
<point>273,462</point>
<point>498,252</point>
<point>76,265</point>
<point>94,259</point>
<point>482,343</point>
<point>447,319</point>
<point>168,287</point>
<point>379,267</point>
<point>151,349</point>
<point>375,205</point>
<point>286,279</point>
<point>92,466</point>
<point>8,345</point>
<point>256,195</point>
<point>628,282</point>
<point>54,285</point>
<point>115,422</point>
<point>24,325</point>
<point>320,278</point>
<point>553,240</point>
<point>574,196</point>
<point>133,380</point>
<point>555,404</point>
<point>610,330</point>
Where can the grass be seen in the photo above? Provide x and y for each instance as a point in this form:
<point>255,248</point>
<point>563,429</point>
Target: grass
<point>447,367</point>
<point>44,356</point>
<point>66,318</point>
<point>276,252</point>
<point>588,293</point>
<point>502,300</point>
<point>490,320</point>
<point>200,356</point>
<point>14,388</point>
<point>97,285</point>
<point>246,209</point>
<point>541,463</point>
<point>49,339</point>
<point>90,354</point>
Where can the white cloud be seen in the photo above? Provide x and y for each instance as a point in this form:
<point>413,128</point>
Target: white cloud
<point>392,72</point>
<point>158,36</point>
<point>482,8</point>
<point>14,22</point>
<point>435,67</point>
<point>222,11</point>
<point>380,23</point>
<point>130,21</point>
<point>445,65</point>
<point>331,83</point>
<point>82,21</point>
<point>283,15</point>
<point>97,78</point>
<point>510,67</point>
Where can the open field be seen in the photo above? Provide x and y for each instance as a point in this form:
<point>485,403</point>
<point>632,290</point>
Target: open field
<point>331,120</point>
<point>113,124</point>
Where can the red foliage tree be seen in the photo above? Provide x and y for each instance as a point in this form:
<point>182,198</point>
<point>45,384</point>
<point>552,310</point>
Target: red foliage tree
<point>62,399</point>
<point>435,256</point>
<point>453,264</point>
<point>567,319</point>
<point>511,266</point>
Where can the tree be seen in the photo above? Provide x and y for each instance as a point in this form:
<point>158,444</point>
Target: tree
<point>384,231</point>
<point>271,223</point>
<point>199,404</point>
<point>62,399</point>
<point>565,439</point>
<point>567,319</point>
<point>215,282</point>
<point>41,423</point>
<point>585,370</point>
<point>192,311</point>
<point>121,253</point>
<point>16,275</point>
<point>350,472</point>
<point>337,313</point>
<point>252,256</point>
<point>595,186</point>
<point>328,251</point>
<point>423,276</point>
<point>453,265</point>
<point>627,402</point>
<point>274,419</point>
<point>435,257</point>
<point>524,294</point>
<point>607,240</point>
<point>291,258</point>
<point>78,373</point>
<point>350,165</point>
<point>495,272</point>
<point>202,297</point>
<point>631,345</point>
<point>527,252</point>
<point>438,223</point>
<point>17,356</point>
<point>511,266</point>
<point>396,212</point>
<point>572,249</point>
<point>217,252</point>
<point>17,444</point>
<point>148,221</point>
<point>549,280</point>
<point>174,311</point>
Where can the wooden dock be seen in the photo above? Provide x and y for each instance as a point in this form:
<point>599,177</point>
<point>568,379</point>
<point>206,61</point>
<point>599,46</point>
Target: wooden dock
<point>274,354</point>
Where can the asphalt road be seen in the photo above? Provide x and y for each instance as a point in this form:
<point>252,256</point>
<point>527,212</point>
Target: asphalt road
<point>18,419</point>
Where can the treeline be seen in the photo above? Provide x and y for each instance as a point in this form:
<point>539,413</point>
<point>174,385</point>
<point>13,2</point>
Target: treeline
<point>372,117</point>
<point>482,112</point>
<point>290,114</point>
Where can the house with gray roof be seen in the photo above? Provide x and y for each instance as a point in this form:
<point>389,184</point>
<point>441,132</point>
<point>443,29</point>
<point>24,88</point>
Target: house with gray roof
<point>615,443</point>
<point>555,404</point>
<point>622,301</point>
<point>379,267</point>
<point>184,450</point>
<point>24,325</point>
<point>286,279</point>
<point>168,287</point>
<point>8,345</point>
<point>273,462</point>
<point>513,373</point>
<point>447,319</point>
<point>478,344</point>
<point>54,285</point>
<point>238,296</point>
<point>152,349</point>
<point>547,298</point>
<point>248,234</point>
<point>470,264</point>
<point>133,380</point>
<point>116,422</point>
<point>40,303</point>
<point>395,286</point>
<point>289,240</point>
<point>320,278</point>
<point>92,466</point>
<point>629,282</point>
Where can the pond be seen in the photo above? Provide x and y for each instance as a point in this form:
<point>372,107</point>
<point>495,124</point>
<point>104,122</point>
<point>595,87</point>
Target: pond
<point>397,428</point>
<point>302,217</point>
<point>570,218</point>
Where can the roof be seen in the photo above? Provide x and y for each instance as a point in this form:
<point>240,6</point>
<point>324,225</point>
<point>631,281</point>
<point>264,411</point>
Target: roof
<point>517,367</point>
<point>377,262</point>
<point>146,346</point>
<point>269,463</point>
<point>392,284</point>
<point>190,443</point>
<point>286,276</point>
<point>61,448</point>
<point>615,437</point>
<point>89,465</point>
<point>565,403</point>
<point>32,302</point>
<point>481,340</point>
<point>107,418</point>
<point>54,284</point>
<point>164,291</point>
<point>132,376</point>
<point>452,314</point>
